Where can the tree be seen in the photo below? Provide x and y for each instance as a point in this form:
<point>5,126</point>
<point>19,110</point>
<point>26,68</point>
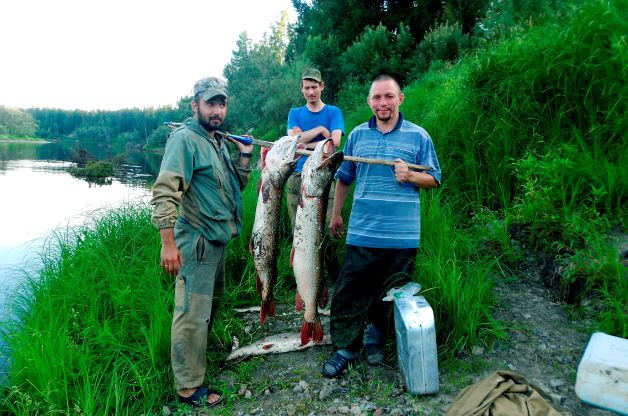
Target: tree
<point>15,122</point>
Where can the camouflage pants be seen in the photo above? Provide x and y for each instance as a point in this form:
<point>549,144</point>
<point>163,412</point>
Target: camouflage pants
<point>200,278</point>
<point>293,195</point>
<point>367,274</point>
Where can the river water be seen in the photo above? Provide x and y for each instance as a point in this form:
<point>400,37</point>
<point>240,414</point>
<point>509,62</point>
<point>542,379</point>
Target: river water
<point>40,197</point>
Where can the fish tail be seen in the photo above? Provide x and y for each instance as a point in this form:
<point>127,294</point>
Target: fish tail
<point>317,333</point>
<point>323,298</point>
<point>306,332</point>
<point>311,331</point>
<point>299,303</point>
<point>267,309</point>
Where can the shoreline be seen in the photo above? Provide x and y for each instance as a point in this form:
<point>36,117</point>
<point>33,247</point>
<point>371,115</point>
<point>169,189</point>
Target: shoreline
<point>38,141</point>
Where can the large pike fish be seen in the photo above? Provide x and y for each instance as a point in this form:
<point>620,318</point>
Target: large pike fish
<point>307,243</point>
<point>279,164</point>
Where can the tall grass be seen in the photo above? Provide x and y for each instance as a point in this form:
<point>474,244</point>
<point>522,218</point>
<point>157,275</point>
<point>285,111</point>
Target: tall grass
<point>530,132</point>
<point>92,329</point>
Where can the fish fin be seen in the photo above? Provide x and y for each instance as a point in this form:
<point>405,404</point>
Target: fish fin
<point>299,304</point>
<point>259,185</point>
<point>258,285</point>
<point>306,332</point>
<point>323,298</point>
<point>292,257</point>
<point>317,332</point>
<point>267,309</point>
<point>301,200</point>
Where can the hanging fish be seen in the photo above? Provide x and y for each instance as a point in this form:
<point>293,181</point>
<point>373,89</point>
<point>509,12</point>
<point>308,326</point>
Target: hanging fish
<point>307,244</point>
<point>264,246</point>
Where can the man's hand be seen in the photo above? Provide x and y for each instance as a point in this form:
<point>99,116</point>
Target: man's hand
<point>402,171</point>
<point>244,148</point>
<point>336,225</point>
<point>170,256</point>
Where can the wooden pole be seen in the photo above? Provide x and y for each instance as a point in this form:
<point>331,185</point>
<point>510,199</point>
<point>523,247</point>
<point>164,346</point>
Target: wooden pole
<point>264,143</point>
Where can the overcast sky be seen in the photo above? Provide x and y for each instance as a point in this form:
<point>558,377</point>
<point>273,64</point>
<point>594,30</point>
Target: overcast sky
<point>94,54</point>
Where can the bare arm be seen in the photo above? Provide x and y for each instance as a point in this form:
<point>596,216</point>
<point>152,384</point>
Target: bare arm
<point>342,191</point>
<point>307,136</point>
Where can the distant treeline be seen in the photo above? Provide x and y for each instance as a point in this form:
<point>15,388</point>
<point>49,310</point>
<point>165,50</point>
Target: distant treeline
<point>349,41</point>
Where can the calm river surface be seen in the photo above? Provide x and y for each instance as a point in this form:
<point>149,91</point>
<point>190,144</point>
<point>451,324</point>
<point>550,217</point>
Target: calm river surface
<point>39,196</point>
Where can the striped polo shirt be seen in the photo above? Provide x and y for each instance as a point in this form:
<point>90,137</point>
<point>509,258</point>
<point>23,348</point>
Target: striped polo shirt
<point>386,213</point>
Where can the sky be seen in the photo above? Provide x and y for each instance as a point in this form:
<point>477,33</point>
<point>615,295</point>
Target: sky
<point>114,54</point>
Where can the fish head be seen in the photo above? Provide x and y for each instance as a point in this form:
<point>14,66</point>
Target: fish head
<point>281,160</point>
<point>320,167</point>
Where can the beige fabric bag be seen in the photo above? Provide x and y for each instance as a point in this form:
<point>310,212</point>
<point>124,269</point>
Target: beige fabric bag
<point>503,393</point>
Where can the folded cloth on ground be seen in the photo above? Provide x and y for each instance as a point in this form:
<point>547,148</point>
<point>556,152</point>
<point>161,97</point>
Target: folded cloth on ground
<point>503,393</point>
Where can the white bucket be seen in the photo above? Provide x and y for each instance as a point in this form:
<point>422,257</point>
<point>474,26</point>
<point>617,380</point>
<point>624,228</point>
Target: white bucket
<point>602,378</point>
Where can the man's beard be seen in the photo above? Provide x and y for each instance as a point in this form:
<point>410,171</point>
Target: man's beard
<point>208,125</point>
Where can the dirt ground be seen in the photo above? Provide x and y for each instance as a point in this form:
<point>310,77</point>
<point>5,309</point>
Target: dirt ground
<point>543,344</point>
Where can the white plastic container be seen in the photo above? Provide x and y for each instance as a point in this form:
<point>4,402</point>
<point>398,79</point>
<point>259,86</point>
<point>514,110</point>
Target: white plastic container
<point>602,378</point>
<point>416,344</point>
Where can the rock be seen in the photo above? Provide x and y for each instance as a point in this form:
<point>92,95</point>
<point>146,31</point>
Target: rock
<point>248,394</point>
<point>556,383</point>
<point>355,410</point>
<point>477,350</point>
<point>166,411</point>
<point>326,392</point>
<point>557,398</point>
<point>379,411</point>
<point>242,389</point>
<point>343,410</point>
<point>291,410</point>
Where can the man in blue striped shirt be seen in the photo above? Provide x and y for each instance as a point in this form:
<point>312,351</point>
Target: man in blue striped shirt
<point>384,225</point>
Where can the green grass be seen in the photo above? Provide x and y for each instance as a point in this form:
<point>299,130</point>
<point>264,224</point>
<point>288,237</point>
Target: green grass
<point>531,135</point>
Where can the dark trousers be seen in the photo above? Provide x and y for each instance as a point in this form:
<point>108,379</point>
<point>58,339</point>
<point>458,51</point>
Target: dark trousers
<point>367,274</point>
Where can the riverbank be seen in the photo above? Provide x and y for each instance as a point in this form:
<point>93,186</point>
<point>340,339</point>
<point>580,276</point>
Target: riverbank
<point>34,140</point>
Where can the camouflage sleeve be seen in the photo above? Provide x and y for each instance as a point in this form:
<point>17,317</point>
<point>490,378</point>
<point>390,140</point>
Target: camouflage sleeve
<point>167,195</point>
<point>174,178</point>
<point>244,174</point>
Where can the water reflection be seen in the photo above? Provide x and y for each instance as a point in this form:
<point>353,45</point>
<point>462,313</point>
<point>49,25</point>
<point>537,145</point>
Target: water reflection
<point>40,196</point>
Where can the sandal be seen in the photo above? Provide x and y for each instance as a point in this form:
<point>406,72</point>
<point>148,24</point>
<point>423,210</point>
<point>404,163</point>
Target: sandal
<point>200,396</point>
<point>336,365</point>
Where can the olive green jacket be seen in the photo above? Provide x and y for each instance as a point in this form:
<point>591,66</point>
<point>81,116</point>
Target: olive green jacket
<point>198,175</point>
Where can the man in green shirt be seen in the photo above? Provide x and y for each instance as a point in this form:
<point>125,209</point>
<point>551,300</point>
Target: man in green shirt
<point>198,175</point>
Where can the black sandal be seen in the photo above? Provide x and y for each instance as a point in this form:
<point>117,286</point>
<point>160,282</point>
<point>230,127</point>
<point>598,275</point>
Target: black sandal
<point>200,396</point>
<point>336,365</point>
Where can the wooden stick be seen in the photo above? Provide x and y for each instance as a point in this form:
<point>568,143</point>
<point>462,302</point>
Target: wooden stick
<point>264,143</point>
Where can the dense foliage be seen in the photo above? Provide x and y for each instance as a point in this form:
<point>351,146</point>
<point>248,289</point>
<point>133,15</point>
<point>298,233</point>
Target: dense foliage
<point>16,123</point>
<point>526,105</point>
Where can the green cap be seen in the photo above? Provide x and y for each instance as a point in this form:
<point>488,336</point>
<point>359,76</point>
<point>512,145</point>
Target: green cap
<point>210,87</point>
<point>312,73</point>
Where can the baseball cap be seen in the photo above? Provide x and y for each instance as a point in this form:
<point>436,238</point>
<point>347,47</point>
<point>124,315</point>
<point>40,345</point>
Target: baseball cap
<point>312,73</point>
<point>209,87</point>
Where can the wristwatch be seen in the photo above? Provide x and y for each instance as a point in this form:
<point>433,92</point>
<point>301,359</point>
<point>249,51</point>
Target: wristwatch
<point>244,154</point>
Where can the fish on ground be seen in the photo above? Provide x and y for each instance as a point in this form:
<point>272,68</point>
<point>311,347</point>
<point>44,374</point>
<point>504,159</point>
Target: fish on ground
<point>307,243</point>
<point>274,344</point>
<point>264,246</point>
